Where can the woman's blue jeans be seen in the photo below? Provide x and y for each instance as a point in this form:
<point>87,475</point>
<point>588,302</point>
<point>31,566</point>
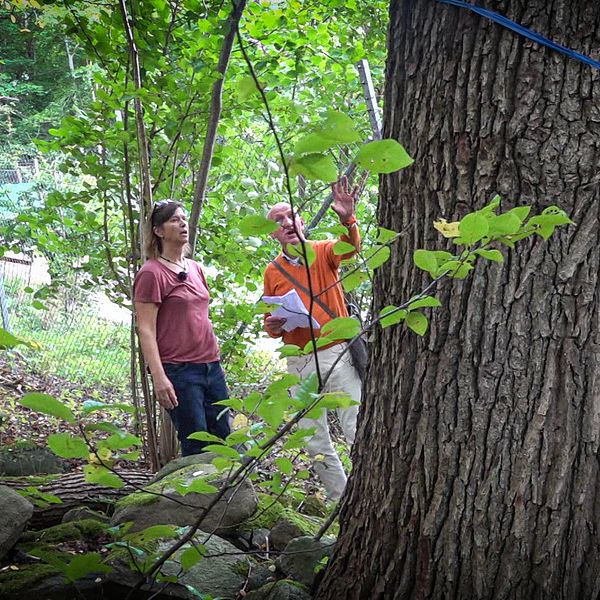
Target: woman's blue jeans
<point>198,387</point>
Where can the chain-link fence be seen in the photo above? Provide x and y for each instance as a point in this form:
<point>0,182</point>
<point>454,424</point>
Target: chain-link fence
<point>82,336</point>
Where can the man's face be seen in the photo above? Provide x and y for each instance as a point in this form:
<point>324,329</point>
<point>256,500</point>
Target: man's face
<point>286,234</point>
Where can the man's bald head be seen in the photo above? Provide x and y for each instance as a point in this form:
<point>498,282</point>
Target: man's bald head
<point>291,227</point>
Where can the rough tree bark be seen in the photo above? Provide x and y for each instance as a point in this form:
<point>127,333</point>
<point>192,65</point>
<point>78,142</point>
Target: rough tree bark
<point>476,461</point>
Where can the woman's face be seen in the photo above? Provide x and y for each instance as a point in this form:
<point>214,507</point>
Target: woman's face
<point>174,230</point>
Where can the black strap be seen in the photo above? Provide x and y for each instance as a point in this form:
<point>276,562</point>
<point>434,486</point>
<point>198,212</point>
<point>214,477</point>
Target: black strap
<point>297,284</point>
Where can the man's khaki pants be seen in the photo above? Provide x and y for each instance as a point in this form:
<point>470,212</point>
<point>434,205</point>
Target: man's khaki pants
<point>343,379</point>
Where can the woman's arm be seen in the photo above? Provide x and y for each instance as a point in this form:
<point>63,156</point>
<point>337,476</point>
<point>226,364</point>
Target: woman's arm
<point>146,320</point>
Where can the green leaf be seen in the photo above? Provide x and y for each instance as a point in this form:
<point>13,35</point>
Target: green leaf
<point>417,322</point>
<point>67,445</point>
<point>8,340</point>
<point>341,328</point>
<point>507,223</point>
<point>313,143</point>
<point>334,400</point>
<point>85,564</point>
<point>204,436</point>
<point>521,212</point>
<point>472,228</point>
<point>377,256</point>
<point>395,315</point>
<point>90,406</point>
<point>353,280</point>
<point>119,441</point>
<point>383,156</point>
<point>426,302</point>
<point>341,247</point>
<point>307,391</point>
<point>282,384</point>
<point>385,235</point>
<point>48,405</point>
<point>102,476</point>
<point>340,127</point>
<point>289,350</point>
<point>246,87</point>
<point>299,250</point>
<point>197,486</point>
<point>298,439</point>
<point>426,260</point>
<point>337,128</point>
<point>284,465</point>
<point>191,556</point>
<point>319,167</point>
<point>223,451</point>
<point>257,225</point>
<point>494,255</point>
<point>155,532</point>
<point>493,205</point>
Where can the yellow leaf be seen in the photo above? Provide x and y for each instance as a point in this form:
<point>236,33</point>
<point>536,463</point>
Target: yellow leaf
<point>13,19</point>
<point>448,230</point>
<point>239,421</point>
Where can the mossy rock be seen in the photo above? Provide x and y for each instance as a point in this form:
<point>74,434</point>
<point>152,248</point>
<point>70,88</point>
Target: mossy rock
<point>88,529</point>
<point>140,498</point>
<point>268,513</point>
<point>18,584</point>
<point>285,589</point>
<point>24,481</point>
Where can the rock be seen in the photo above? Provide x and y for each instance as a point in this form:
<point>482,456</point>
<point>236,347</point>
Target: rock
<point>80,513</point>
<point>88,529</point>
<point>221,573</point>
<point>283,533</point>
<point>204,458</point>
<point>291,525</point>
<point>25,459</point>
<point>16,512</point>
<point>302,555</point>
<point>280,590</point>
<point>314,507</point>
<point>146,509</point>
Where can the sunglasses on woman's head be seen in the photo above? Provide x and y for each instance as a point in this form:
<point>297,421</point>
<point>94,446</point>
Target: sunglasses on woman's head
<point>160,204</point>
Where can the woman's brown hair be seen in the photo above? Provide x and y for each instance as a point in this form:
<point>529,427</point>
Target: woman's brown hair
<point>162,211</point>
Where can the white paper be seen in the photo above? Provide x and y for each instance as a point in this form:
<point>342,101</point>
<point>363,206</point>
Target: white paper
<point>291,308</point>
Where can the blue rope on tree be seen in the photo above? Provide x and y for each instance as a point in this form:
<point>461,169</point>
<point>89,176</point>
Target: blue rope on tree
<point>532,35</point>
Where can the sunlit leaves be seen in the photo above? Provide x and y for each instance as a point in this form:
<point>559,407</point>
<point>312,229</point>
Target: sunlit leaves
<point>383,156</point>
<point>101,475</point>
<point>418,322</point>
<point>341,247</point>
<point>337,128</point>
<point>319,167</point>
<point>473,228</point>
<point>8,340</point>
<point>257,225</point>
<point>390,315</point>
<point>48,405</point>
<point>67,445</point>
<point>341,328</point>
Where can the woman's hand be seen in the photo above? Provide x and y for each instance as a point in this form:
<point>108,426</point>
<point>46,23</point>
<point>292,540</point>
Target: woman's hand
<point>165,392</point>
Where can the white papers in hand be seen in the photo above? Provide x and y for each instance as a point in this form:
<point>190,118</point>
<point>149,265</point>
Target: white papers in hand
<point>291,308</point>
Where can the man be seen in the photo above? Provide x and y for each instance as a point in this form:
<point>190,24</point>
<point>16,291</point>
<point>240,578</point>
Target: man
<point>324,274</point>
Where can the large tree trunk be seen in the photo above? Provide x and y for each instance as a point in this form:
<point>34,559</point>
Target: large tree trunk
<point>476,461</point>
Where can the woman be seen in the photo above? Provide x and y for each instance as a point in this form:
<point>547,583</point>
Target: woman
<point>171,301</point>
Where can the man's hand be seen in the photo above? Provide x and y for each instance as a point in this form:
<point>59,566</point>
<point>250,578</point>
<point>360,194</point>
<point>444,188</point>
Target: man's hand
<point>343,199</point>
<point>165,393</point>
<point>274,325</point>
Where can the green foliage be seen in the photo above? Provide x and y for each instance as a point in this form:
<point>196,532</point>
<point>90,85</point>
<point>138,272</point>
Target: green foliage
<point>47,404</point>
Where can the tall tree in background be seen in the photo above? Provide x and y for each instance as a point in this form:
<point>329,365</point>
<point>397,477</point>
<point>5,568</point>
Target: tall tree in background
<point>476,462</point>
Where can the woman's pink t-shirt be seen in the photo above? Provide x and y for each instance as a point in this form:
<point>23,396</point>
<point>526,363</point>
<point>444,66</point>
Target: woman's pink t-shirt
<point>184,332</point>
